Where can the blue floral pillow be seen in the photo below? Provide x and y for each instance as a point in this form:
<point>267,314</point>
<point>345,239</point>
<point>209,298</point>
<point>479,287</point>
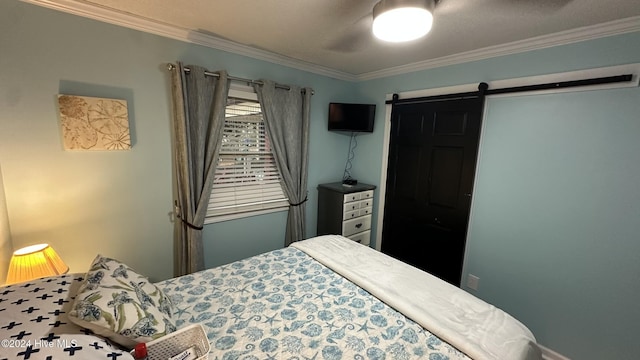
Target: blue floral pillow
<point>117,303</point>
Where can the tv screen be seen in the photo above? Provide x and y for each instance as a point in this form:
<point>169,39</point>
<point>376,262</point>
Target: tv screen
<point>351,117</point>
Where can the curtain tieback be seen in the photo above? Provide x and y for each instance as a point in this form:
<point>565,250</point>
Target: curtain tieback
<point>176,211</point>
<point>301,202</point>
<point>190,224</point>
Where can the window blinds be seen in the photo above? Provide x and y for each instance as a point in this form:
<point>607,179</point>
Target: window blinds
<point>246,178</point>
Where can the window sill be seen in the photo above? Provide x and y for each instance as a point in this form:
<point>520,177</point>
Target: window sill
<point>221,218</point>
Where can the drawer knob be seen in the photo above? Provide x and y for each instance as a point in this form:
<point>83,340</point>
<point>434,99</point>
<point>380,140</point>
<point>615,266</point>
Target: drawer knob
<point>358,226</point>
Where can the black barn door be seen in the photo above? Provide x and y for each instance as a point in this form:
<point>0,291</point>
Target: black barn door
<point>432,157</point>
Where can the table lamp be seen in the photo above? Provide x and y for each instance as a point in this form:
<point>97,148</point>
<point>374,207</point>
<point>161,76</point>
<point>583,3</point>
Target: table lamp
<point>33,262</point>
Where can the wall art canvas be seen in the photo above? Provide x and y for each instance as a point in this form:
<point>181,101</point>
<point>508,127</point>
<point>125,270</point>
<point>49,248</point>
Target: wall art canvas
<point>90,123</point>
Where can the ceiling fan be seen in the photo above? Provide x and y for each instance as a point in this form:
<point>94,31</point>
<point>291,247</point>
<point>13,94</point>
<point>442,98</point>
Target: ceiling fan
<point>359,34</point>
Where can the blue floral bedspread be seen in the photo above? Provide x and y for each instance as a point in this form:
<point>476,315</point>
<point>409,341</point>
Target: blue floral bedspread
<point>285,305</point>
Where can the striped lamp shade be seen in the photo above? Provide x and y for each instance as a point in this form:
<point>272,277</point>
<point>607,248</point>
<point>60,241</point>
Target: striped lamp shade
<point>33,262</point>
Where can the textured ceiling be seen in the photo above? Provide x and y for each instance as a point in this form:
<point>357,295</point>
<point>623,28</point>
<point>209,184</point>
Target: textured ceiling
<point>336,34</point>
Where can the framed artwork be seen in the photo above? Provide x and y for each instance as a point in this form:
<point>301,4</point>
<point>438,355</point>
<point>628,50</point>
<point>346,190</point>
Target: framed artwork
<point>90,123</point>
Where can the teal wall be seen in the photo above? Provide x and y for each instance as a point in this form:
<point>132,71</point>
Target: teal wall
<point>118,203</point>
<point>572,281</point>
<point>557,194</point>
<point>553,232</point>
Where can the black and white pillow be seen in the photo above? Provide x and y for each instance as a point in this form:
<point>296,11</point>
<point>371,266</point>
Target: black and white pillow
<point>34,323</point>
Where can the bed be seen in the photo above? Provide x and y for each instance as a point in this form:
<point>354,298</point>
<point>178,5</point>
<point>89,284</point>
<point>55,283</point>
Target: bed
<point>322,298</point>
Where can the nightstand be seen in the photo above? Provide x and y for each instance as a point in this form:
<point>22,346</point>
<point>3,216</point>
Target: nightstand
<point>346,210</point>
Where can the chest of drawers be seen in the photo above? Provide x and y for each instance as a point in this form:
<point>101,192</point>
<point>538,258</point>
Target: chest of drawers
<point>346,210</point>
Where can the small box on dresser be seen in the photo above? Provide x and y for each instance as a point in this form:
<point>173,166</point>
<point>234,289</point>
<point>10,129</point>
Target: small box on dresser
<point>346,210</point>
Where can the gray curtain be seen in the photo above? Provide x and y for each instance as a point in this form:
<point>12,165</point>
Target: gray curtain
<point>199,103</point>
<point>286,117</point>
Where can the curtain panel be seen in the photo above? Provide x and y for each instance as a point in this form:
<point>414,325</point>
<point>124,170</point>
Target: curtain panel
<point>199,103</point>
<point>286,117</point>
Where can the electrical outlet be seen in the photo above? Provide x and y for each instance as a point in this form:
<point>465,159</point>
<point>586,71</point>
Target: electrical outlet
<point>472,282</point>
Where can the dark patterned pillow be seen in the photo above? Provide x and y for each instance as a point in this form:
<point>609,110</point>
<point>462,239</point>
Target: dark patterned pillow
<point>34,323</point>
<point>116,302</point>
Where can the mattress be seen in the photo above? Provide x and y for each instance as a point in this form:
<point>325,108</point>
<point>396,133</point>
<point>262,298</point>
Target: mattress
<point>285,305</point>
<point>473,326</point>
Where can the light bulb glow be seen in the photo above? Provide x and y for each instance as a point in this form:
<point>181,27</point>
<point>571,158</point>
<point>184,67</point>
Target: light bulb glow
<point>402,24</point>
<point>30,249</point>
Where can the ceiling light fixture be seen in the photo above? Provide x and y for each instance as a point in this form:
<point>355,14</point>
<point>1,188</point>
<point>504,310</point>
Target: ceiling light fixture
<point>402,20</point>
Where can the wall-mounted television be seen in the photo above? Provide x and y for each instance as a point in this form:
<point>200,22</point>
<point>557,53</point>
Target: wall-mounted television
<point>351,117</point>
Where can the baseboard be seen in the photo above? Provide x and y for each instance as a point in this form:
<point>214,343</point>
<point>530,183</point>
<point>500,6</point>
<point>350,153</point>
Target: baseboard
<point>548,354</point>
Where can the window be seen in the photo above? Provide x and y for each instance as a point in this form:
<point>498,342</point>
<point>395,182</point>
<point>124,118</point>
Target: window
<point>247,181</point>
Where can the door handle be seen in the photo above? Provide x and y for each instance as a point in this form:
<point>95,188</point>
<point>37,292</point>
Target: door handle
<point>437,224</point>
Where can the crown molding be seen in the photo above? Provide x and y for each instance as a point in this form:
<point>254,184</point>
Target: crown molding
<point>110,16</point>
<point>617,27</point>
<point>103,14</point>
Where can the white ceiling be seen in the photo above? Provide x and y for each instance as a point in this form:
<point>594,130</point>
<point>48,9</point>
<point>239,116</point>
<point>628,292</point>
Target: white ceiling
<point>334,36</point>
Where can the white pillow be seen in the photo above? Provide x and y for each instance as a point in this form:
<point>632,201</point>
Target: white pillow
<point>116,302</point>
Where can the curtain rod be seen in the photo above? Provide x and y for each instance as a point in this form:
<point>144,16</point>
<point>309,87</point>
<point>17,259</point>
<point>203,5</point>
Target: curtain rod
<point>171,67</point>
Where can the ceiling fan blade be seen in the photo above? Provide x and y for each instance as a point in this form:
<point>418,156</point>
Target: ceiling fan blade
<point>540,6</point>
<point>356,37</point>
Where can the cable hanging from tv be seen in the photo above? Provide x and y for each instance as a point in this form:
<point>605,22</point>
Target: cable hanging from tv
<point>346,177</point>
